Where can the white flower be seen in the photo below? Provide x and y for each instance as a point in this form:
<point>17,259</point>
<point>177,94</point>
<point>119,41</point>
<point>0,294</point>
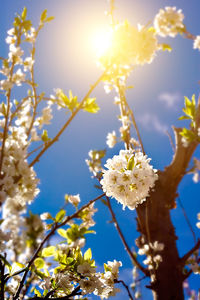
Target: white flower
<point>129,178</point>
<point>184,142</point>
<point>111,139</point>
<point>18,77</point>
<point>30,37</point>
<point>5,85</point>
<point>195,177</point>
<point>196,44</point>
<point>85,269</point>
<point>114,267</point>
<point>169,22</point>
<point>28,63</point>
<point>74,199</point>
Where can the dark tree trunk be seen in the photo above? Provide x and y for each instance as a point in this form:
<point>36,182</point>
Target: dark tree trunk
<point>154,224</point>
<point>167,277</point>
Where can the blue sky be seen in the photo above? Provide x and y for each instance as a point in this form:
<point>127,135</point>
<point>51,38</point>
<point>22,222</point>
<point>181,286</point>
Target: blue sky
<point>65,58</point>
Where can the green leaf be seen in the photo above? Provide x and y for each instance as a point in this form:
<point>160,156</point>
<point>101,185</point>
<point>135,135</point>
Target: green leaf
<point>62,232</point>
<point>152,29</point>
<point>131,163</point>
<point>43,16</point>
<point>44,136</point>
<point>106,268</point>
<point>48,251</point>
<point>60,215</point>
<point>27,25</point>
<point>91,106</point>
<point>188,134</point>
<point>39,263</point>
<point>69,260</point>
<point>24,13</point>
<point>166,47</point>
<point>88,254</point>
<point>37,292</point>
<point>49,19</point>
<point>190,107</point>
<point>184,118</point>
<point>17,22</point>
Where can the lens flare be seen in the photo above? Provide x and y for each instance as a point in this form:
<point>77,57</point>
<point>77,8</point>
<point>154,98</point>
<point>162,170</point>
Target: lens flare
<point>102,41</point>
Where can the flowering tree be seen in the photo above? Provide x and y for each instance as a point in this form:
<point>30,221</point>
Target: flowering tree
<point>31,265</point>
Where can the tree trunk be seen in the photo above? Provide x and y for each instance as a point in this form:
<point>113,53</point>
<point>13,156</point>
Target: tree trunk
<point>154,224</point>
<point>167,277</point>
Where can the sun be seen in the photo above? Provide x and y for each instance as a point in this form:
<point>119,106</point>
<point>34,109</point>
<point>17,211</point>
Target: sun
<point>102,41</point>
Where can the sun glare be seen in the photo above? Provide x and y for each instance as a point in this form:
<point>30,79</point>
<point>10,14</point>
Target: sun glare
<point>102,41</point>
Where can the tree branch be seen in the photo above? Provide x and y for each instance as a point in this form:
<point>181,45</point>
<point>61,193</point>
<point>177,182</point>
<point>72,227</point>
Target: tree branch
<point>189,253</point>
<point>54,228</point>
<point>133,258</point>
<point>55,139</point>
<point>126,287</point>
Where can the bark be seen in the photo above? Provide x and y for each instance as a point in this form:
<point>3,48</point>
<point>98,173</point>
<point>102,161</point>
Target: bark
<point>155,224</point>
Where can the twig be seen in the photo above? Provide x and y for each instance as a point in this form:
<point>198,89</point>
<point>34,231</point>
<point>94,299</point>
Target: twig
<point>34,91</point>
<point>54,228</point>
<point>189,253</point>
<point>136,127</point>
<point>171,141</point>
<point>55,139</point>
<point>133,258</point>
<point>34,150</point>
<point>187,220</point>
<point>126,287</point>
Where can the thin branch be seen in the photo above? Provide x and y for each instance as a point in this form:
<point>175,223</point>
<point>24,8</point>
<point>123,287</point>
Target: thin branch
<point>189,272</point>
<point>171,141</point>
<point>55,139</point>
<point>126,287</point>
<point>136,127</point>
<point>187,220</point>
<point>54,228</point>
<point>133,258</point>
<point>189,253</point>
<point>34,150</point>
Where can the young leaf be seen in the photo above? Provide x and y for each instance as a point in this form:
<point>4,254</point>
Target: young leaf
<point>48,251</point>
<point>24,13</point>
<point>37,292</point>
<point>166,47</point>
<point>44,136</point>
<point>60,215</point>
<point>49,19</point>
<point>43,16</point>
<point>91,106</point>
<point>88,254</point>
<point>62,232</point>
<point>39,263</point>
<point>131,163</point>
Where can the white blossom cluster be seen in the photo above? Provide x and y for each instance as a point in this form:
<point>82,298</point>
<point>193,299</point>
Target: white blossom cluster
<point>90,281</point>
<point>129,178</point>
<point>153,258</point>
<point>169,22</point>
<point>196,44</point>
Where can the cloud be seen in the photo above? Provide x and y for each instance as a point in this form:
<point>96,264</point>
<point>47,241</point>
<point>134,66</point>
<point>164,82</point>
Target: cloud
<point>151,122</point>
<point>169,99</point>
